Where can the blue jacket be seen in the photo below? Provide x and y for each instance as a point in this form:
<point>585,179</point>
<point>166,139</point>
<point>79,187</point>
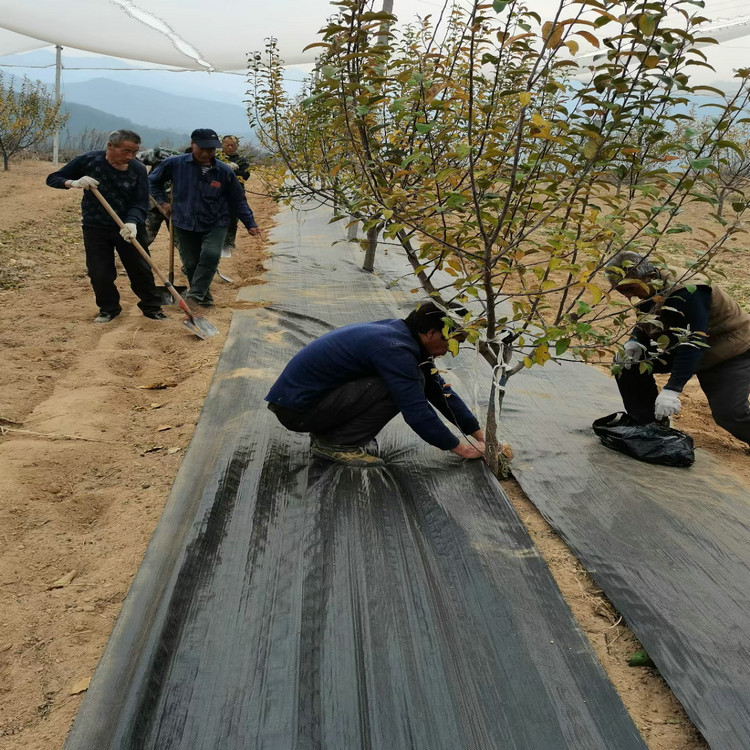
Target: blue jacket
<point>125,190</point>
<point>201,202</point>
<point>385,348</point>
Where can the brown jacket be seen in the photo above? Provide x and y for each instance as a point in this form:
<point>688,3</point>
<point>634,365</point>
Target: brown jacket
<point>728,325</point>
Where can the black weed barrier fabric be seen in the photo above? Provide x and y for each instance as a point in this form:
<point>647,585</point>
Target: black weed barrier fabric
<point>291,604</point>
<point>669,546</point>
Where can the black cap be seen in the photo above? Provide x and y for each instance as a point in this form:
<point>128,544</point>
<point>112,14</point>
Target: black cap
<point>205,138</point>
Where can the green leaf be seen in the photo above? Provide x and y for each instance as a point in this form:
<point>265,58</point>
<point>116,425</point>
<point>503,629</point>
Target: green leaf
<point>699,164</point>
<point>561,346</point>
<point>499,5</point>
<point>425,127</point>
<point>640,659</point>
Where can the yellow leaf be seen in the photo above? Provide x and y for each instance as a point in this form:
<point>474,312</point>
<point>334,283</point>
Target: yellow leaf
<point>66,580</point>
<point>80,687</point>
<point>525,98</point>
<point>589,37</point>
<point>541,354</point>
<point>590,148</point>
<point>555,37</point>
<point>572,46</point>
<point>453,346</point>
<point>596,293</point>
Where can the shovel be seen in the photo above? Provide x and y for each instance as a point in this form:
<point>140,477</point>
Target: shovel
<point>166,295</point>
<point>201,327</point>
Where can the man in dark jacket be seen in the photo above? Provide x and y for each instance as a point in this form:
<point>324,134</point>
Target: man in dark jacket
<point>205,193</point>
<point>123,182</point>
<point>229,154</point>
<point>152,157</point>
<point>344,387</point>
<point>702,331</point>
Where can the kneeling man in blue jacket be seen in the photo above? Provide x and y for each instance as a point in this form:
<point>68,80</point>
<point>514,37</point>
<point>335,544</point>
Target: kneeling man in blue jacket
<point>344,387</point>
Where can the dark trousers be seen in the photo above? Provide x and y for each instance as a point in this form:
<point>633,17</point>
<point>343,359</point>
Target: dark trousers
<point>154,219</point>
<point>726,385</point>
<point>351,415</point>
<point>100,244</point>
<point>200,253</point>
<point>231,237</point>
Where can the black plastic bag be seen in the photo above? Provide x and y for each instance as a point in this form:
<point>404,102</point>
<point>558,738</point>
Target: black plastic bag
<point>653,443</point>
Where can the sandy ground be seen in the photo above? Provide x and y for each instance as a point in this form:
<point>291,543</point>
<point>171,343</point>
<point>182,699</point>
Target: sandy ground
<point>95,420</point>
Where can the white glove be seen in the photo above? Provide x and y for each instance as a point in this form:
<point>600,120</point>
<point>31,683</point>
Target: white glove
<point>667,404</point>
<point>233,166</point>
<point>128,232</point>
<point>84,182</point>
<point>633,353</point>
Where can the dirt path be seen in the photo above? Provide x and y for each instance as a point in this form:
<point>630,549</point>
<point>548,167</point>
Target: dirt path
<point>82,509</point>
<point>90,450</point>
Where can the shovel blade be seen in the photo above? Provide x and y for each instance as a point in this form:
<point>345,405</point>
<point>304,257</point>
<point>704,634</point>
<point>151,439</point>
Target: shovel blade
<point>201,327</point>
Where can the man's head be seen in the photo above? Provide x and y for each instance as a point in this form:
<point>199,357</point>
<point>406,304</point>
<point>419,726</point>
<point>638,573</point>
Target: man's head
<point>428,322</point>
<point>631,274</point>
<point>230,144</point>
<point>203,144</point>
<point>122,147</point>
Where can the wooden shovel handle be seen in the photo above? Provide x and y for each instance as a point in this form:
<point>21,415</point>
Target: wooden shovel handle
<point>145,255</point>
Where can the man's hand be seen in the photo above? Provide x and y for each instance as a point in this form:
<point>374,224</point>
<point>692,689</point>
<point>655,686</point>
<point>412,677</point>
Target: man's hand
<point>254,232</point>
<point>234,167</point>
<point>667,404</point>
<point>128,232</point>
<point>84,183</point>
<point>469,451</point>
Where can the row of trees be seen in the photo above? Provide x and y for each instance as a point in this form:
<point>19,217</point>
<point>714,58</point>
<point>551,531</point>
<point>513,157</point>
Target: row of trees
<point>506,170</point>
<point>29,114</point>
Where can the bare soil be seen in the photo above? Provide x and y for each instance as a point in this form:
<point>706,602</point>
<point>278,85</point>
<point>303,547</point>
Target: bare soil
<point>94,422</point>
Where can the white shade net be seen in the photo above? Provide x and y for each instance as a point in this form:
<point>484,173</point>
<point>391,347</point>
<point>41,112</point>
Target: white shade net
<point>185,33</point>
<point>196,35</point>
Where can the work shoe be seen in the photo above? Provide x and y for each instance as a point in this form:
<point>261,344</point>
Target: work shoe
<point>103,317</point>
<point>226,251</point>
<point>192,303</point>
<point>158,315</point>
<point>349,455</point>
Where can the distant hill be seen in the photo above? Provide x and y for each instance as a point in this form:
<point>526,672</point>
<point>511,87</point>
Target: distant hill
<point>158,108</point>
<point>85,119</point>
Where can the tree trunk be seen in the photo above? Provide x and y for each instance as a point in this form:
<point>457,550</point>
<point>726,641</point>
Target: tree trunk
<point>372,246</point>
<point>496,459</point>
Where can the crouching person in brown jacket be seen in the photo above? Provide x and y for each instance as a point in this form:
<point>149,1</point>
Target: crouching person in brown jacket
<point>709,336</point>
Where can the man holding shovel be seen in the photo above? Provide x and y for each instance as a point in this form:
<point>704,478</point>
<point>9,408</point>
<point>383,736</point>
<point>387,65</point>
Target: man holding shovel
<point>124,183</point>
<point>205,193</point>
